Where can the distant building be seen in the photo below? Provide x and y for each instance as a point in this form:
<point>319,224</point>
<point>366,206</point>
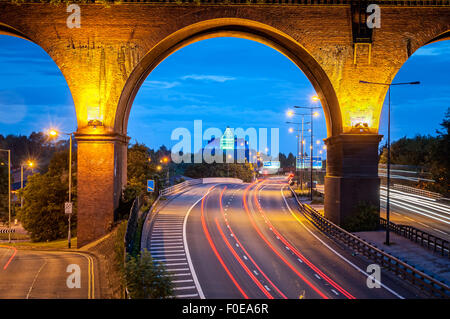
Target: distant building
<point>229,144</point>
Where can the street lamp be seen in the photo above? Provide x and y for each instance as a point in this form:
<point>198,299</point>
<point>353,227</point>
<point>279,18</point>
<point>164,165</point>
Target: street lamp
<point>29,164</point>
<point>389,149</point>
<point>9,193</point>
<point>54,133</point>
<point>312,114</point>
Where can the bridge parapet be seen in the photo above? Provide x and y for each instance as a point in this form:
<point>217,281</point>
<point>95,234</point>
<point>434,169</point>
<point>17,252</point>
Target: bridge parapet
<point>396,3</point>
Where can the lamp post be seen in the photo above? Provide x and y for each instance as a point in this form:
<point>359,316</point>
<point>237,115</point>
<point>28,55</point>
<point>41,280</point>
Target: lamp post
<point>298,138</point>
<point>54,133</point>
<point>9,193</point>
<point>312,114</point>
<point>388,181</point>
<point>290,114</point>
<point>29,164</point>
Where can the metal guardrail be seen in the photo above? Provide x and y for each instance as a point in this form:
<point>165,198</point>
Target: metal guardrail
<point>179,187</point>
<point>132,224</point>
<point>419,279</point>
<point>425,239</point>
<point>417,191</point>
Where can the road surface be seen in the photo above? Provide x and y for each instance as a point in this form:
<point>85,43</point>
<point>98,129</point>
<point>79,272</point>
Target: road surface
<point>421,212</point>
<point>248,241</point>
<point>30,274</point>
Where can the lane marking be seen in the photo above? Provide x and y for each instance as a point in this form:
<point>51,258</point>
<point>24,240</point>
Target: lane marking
<point>10,258</point>
<point>35,278</point>
<point>186,247</point>
<point>334,251</point>
<point>244,250</point>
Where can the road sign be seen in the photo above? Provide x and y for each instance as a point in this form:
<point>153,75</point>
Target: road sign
<point>271,164</point>
<point>150,185</point>
<point>68,208</point>
<point>317,162</point>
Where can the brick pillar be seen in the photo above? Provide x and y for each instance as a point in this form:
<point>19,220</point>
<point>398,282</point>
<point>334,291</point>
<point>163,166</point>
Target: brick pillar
<point>352,174</point>
<point>100,176</point>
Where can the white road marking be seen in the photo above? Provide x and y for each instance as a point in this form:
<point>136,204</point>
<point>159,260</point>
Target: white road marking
<point>336,253</point>
<point>35,278</point>
<point>184,288</point>
<point>183,280</point>
<point>186,247</point>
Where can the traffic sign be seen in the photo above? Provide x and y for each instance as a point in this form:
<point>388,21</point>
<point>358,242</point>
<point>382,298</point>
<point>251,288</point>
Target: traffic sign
<point>150,185</point>
<point>271,164</point>
<point>68,208</point>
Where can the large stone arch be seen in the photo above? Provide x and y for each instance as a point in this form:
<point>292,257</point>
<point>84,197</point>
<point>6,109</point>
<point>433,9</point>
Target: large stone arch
<point>240,28</point>
<point>421,39</point>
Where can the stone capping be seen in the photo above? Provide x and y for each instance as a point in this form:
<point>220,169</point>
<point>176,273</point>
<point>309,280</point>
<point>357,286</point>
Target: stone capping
<point>107,137</point>
<point>396,3</point>
<point>353,138</point>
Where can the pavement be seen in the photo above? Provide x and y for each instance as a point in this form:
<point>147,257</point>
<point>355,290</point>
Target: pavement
<point>30,274</point>
<point>249,241</point>
<point>421,258</point>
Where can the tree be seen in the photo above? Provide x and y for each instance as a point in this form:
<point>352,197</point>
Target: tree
<point>45,194</point>
<point>3,191</point>
<point>141,166</point>
<point>147,279</point>
<point>440,166</point>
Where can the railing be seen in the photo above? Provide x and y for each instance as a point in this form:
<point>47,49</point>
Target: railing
<point>425,282</point>
<point>425,239</point>
<point>417,191</point>
<point>132,224</point>
<point>180,187</point>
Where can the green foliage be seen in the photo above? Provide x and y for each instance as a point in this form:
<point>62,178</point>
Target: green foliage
<point>43,212</point>
<point>432,153</point>
<point>146,278</point>
<point>3,192</point>
<point>141,166</point>
<point>243,171</point>
<point>440,166</point>
<point>364,218</point>
<point>119,248</point>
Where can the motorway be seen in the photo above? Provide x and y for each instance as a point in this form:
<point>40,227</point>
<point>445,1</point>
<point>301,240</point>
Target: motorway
<point>31,274</point>
<point>421,212</point>
<point>249,241</point>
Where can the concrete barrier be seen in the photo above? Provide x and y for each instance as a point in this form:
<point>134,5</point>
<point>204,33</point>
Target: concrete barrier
<point>227,180</point>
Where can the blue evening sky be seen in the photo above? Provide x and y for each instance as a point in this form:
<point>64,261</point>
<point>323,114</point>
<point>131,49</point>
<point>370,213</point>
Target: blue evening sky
<point>221,81</point>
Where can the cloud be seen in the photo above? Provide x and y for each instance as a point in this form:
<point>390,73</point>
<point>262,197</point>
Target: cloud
<point>441,50</point>
<point>203,77</point>
<point>159,85</point>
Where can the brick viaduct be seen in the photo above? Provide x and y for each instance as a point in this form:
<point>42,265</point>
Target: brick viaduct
<point>106,60</point>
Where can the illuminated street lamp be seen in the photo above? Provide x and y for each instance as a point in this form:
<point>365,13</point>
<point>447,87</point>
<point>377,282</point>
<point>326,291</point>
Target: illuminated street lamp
<point>388,181</point>
<point>54,133</point>
<point>9,193</point>
<point>312,114</point>
<point>29,164</point>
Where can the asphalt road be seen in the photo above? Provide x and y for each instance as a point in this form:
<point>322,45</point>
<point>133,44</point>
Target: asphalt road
<point>31,274</point>
<point>424,213</point>
<point>249,241</point>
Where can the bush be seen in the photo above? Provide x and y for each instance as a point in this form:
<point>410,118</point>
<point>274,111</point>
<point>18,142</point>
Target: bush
<point>147,279</point>
<point>365,218</point>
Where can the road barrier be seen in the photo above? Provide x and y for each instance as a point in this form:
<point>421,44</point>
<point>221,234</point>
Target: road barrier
<point>419,279</point>
<point>132,224</point>
<point>416,191</point>
<point>179,187</point>
<point>425,239</point>
<point>6,231</point>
